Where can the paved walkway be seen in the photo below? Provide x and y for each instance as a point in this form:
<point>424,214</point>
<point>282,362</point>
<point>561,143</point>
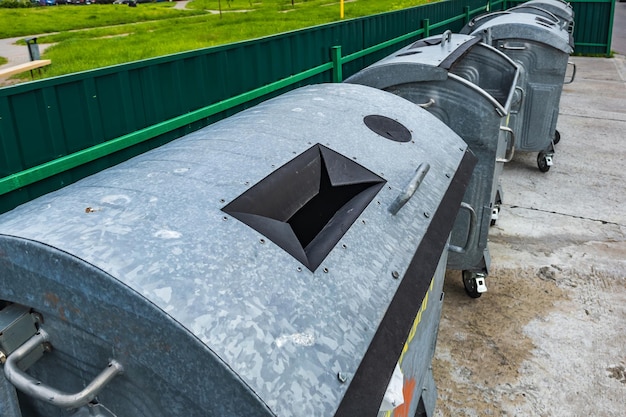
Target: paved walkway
<point>547,338</point>
<point>17,54</point>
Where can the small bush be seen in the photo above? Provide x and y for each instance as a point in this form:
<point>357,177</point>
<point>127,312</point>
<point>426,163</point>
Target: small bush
<point>15,4</point>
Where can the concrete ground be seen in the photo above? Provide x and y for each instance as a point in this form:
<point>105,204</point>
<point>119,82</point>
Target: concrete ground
<point>549,337</point>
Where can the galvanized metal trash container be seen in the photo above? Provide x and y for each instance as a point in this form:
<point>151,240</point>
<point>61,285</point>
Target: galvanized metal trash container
<point>541,47</point>
<point>469,86</point>
<point>280,262</point>
<point>561,10</point>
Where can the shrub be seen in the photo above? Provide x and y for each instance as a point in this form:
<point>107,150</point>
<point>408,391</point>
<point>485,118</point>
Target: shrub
<point>15,4</point>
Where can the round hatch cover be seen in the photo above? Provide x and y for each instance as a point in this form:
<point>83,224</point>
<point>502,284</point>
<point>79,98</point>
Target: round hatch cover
<point>387,128</point>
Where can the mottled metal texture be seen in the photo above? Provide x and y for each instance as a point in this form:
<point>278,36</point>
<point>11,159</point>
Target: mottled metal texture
<point>593,26</point>
<point>470,87</point>
<point>138,263</point>
<point>541,47</point>
<point>420,381</point>
<point>9,406</point>
<point>556,10</point>
<point>395,328</point>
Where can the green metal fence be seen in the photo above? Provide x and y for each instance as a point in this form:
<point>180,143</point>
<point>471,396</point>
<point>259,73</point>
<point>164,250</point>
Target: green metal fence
<point>58,130</point>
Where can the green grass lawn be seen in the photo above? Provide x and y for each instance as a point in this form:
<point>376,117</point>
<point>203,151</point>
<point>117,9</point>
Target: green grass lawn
<point>95,36</point>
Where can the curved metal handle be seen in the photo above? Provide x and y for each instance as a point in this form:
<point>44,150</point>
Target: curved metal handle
<point>512,48</point>
<point>573,73</point>
<point>471,235</point>
<point>36,389</point>
<point>545,21</point>
<point>485,16</point>
<point>428,104</point>
<point>446,36</point>
<point>410,188</point>
<point>522,95</point>
<point>510,149</point>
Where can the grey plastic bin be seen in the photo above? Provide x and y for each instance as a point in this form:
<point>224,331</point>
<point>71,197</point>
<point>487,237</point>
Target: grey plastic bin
<point>280,262</point>
<point>541,47</point>
<point>469,86</point>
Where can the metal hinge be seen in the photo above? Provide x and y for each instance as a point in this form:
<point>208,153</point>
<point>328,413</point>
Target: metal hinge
<point>17,325</point>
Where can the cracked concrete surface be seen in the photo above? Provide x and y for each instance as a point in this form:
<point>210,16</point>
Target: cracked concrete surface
<point>549,337</point>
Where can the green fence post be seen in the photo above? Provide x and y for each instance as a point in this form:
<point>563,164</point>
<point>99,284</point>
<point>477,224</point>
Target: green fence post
<point>335,54</point>
<point>467,14</point>
<point>610,29</point>
<point>426,25</point>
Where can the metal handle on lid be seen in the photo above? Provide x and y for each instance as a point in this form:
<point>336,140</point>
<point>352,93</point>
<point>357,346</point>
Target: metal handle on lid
<point>410,189</point>
<point>428,104</point>
<point>485,16</point>
<point>446,36</point>
<point>36,389</point>
<point>512,48</point>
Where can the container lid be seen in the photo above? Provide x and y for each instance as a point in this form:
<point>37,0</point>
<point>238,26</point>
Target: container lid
<point>521,26</point>
<point>455,57</point>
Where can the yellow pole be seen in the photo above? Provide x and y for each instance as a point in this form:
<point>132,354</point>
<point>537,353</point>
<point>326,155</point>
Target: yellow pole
<point>341,9</point>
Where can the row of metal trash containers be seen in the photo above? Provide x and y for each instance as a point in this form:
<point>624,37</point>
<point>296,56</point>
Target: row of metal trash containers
<point>288,260</point>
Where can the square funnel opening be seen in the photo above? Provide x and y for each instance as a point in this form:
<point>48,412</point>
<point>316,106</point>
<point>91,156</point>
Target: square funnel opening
<point>308,204</point>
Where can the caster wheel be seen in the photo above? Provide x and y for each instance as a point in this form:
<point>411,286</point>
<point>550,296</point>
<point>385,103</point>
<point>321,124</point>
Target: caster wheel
<point>495,214</point>
<point>542,162</point>
<point>557,137</point>
<point>495,209</point>
<point>469,282</point>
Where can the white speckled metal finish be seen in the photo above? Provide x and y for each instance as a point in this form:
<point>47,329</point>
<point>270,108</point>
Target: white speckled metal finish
<point>154,223</point>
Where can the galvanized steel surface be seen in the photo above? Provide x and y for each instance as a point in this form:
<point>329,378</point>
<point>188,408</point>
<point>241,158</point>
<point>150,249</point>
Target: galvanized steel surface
<point>470,87</point>
<point>542,49</point>
<point>526,26</point>
<point>558,10</point>
<point>155,224</point>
